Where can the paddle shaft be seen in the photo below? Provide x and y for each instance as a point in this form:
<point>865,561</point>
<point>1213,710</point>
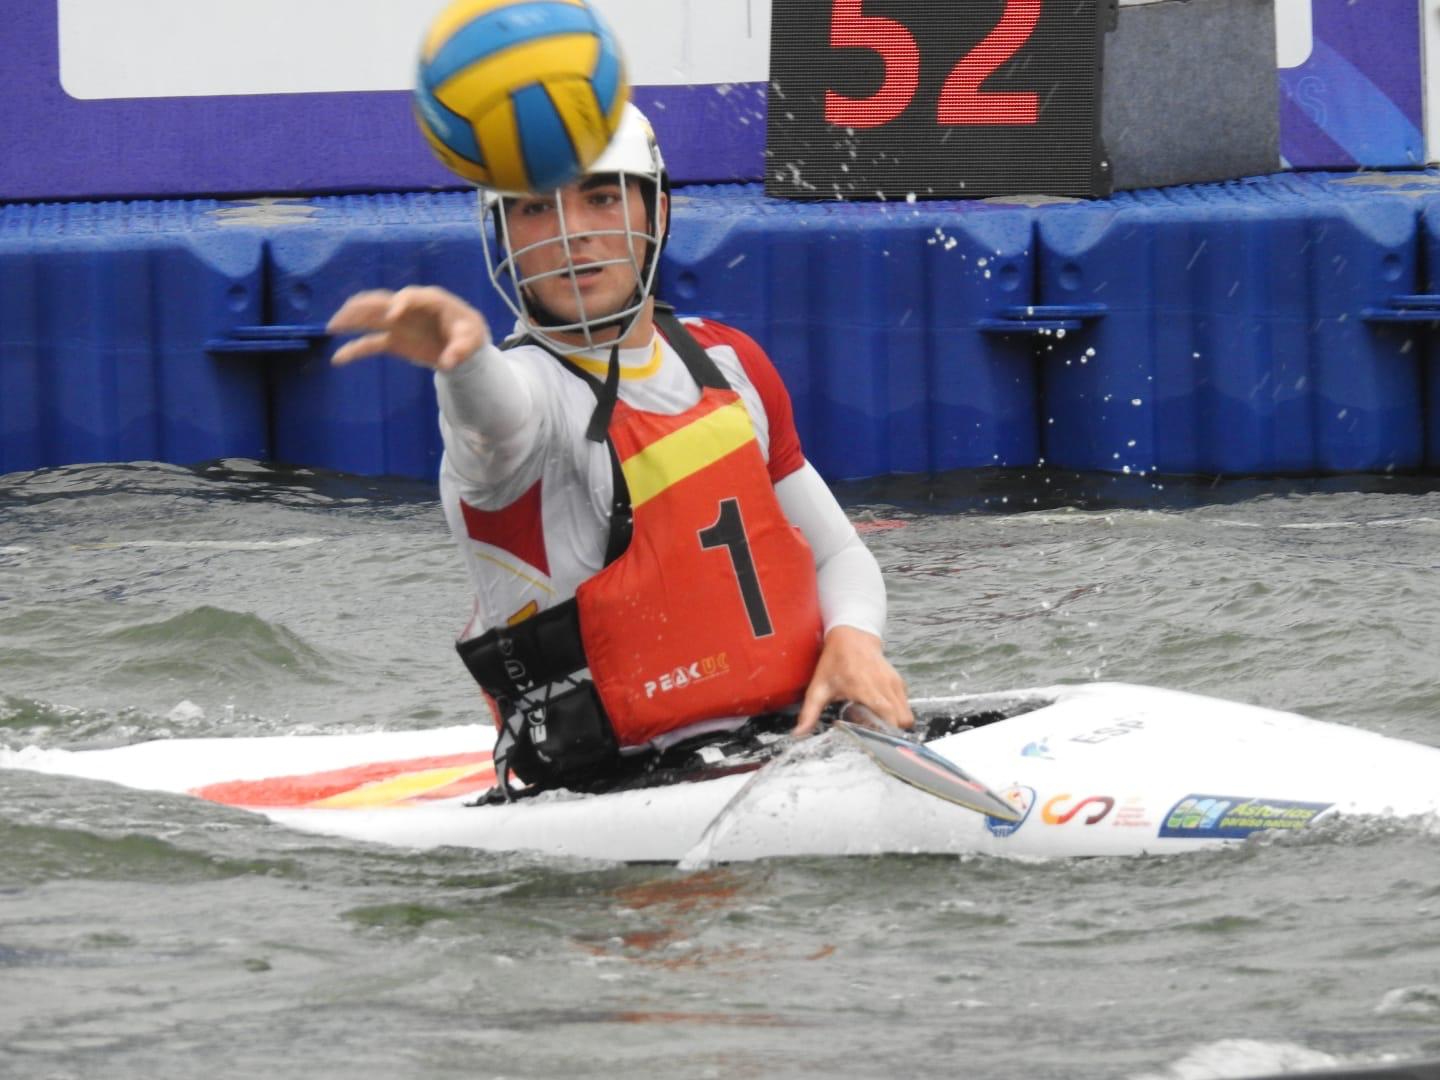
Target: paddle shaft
<point>919,766</point>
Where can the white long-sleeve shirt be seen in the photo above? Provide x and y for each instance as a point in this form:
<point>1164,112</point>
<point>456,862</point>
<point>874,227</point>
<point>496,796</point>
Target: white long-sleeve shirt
<point>528,497</point>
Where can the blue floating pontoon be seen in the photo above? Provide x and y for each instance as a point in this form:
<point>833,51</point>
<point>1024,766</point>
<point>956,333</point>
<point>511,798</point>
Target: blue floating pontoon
<point>1274,325</point>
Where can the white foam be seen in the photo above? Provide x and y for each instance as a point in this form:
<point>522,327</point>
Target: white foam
<point>1229,1059</point>
<point>1411,1002</point>
<point>186,712</point>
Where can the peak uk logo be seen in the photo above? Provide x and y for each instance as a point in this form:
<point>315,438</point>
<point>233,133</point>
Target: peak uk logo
<point>707,667</point>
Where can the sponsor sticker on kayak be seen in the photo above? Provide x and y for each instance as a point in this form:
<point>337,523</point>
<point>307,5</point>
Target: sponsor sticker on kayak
<point>1132,814</point>
<point>1235,816</point>
<point>1018,796</point>
<point>1064,807</point>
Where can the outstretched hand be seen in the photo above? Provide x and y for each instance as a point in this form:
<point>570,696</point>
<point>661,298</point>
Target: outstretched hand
<point>422,323</point>
<point>853,667</point>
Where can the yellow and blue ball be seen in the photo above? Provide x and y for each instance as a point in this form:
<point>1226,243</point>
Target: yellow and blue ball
<point>519,95</point>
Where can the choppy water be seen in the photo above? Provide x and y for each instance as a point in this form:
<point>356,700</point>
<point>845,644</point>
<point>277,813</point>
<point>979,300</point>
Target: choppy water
<point>152,936</point>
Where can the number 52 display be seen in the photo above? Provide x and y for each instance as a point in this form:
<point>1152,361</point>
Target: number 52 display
<point>936,98</point>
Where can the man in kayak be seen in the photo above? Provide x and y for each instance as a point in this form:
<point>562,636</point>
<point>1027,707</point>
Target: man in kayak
<point>629,494</point>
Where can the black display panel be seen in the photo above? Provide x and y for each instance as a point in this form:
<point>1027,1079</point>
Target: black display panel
<point>936,98</point>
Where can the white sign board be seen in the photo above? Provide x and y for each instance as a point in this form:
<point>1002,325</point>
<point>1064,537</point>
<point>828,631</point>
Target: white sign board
<point>204,48</point>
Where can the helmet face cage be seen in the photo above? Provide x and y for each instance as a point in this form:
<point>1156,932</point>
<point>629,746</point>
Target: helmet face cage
<point>502,261</point>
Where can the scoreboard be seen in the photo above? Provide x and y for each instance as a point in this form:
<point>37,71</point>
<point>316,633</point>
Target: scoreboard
<point>893,98</point>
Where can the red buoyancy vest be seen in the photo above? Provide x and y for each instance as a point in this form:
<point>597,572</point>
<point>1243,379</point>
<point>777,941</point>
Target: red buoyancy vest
<point>713,608</point>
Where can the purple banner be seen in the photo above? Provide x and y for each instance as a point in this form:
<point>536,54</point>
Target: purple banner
<point>61,147</point>
<point>1350,76</point>
<point>1351,83</point>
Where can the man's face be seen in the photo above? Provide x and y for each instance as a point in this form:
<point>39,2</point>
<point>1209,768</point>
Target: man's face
<point>606,266</point>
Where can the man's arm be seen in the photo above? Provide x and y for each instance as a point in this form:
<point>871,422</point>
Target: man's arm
<point>852,665</point>
<point>852,592</point>
<point>489,415</point>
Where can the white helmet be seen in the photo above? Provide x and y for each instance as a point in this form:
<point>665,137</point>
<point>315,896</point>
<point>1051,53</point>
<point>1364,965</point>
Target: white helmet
<point>632,153</point>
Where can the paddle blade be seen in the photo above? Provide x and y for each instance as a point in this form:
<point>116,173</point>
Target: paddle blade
<point>932,773</point>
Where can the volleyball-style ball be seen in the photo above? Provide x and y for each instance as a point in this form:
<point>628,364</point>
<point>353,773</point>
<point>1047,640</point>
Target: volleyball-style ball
<point>519,95</point>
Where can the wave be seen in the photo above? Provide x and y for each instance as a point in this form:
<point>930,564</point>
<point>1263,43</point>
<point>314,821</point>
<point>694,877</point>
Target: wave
<point>208,641</point>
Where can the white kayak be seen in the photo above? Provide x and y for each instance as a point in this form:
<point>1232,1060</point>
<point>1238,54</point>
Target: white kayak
<point>1094,769</point>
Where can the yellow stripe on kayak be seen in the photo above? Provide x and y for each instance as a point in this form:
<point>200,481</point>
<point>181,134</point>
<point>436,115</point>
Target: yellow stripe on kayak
<point>398,789</point>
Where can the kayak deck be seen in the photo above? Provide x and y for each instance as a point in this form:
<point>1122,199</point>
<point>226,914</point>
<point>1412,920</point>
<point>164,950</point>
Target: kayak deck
<point>1097,769</point>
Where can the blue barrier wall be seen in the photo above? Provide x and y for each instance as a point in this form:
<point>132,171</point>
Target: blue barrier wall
<point>104,312</point>
<point>873,315</point>
<point>1232,338</point>
<point>1277,325</point>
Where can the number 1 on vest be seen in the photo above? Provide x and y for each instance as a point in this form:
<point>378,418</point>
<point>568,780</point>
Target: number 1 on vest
<point>728,531</point>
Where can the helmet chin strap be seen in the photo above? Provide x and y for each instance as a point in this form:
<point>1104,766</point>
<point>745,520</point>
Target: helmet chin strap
<point>541,315</point>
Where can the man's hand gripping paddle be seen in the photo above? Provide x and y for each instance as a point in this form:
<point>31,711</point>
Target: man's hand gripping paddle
<point>919,766</point>
<point>907,761</point>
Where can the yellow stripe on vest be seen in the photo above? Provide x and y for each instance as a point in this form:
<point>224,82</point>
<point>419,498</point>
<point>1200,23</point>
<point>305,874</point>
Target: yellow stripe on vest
<point>684,452</point>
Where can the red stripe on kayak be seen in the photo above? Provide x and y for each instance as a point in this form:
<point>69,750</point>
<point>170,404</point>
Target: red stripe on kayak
<point>281,792</point>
